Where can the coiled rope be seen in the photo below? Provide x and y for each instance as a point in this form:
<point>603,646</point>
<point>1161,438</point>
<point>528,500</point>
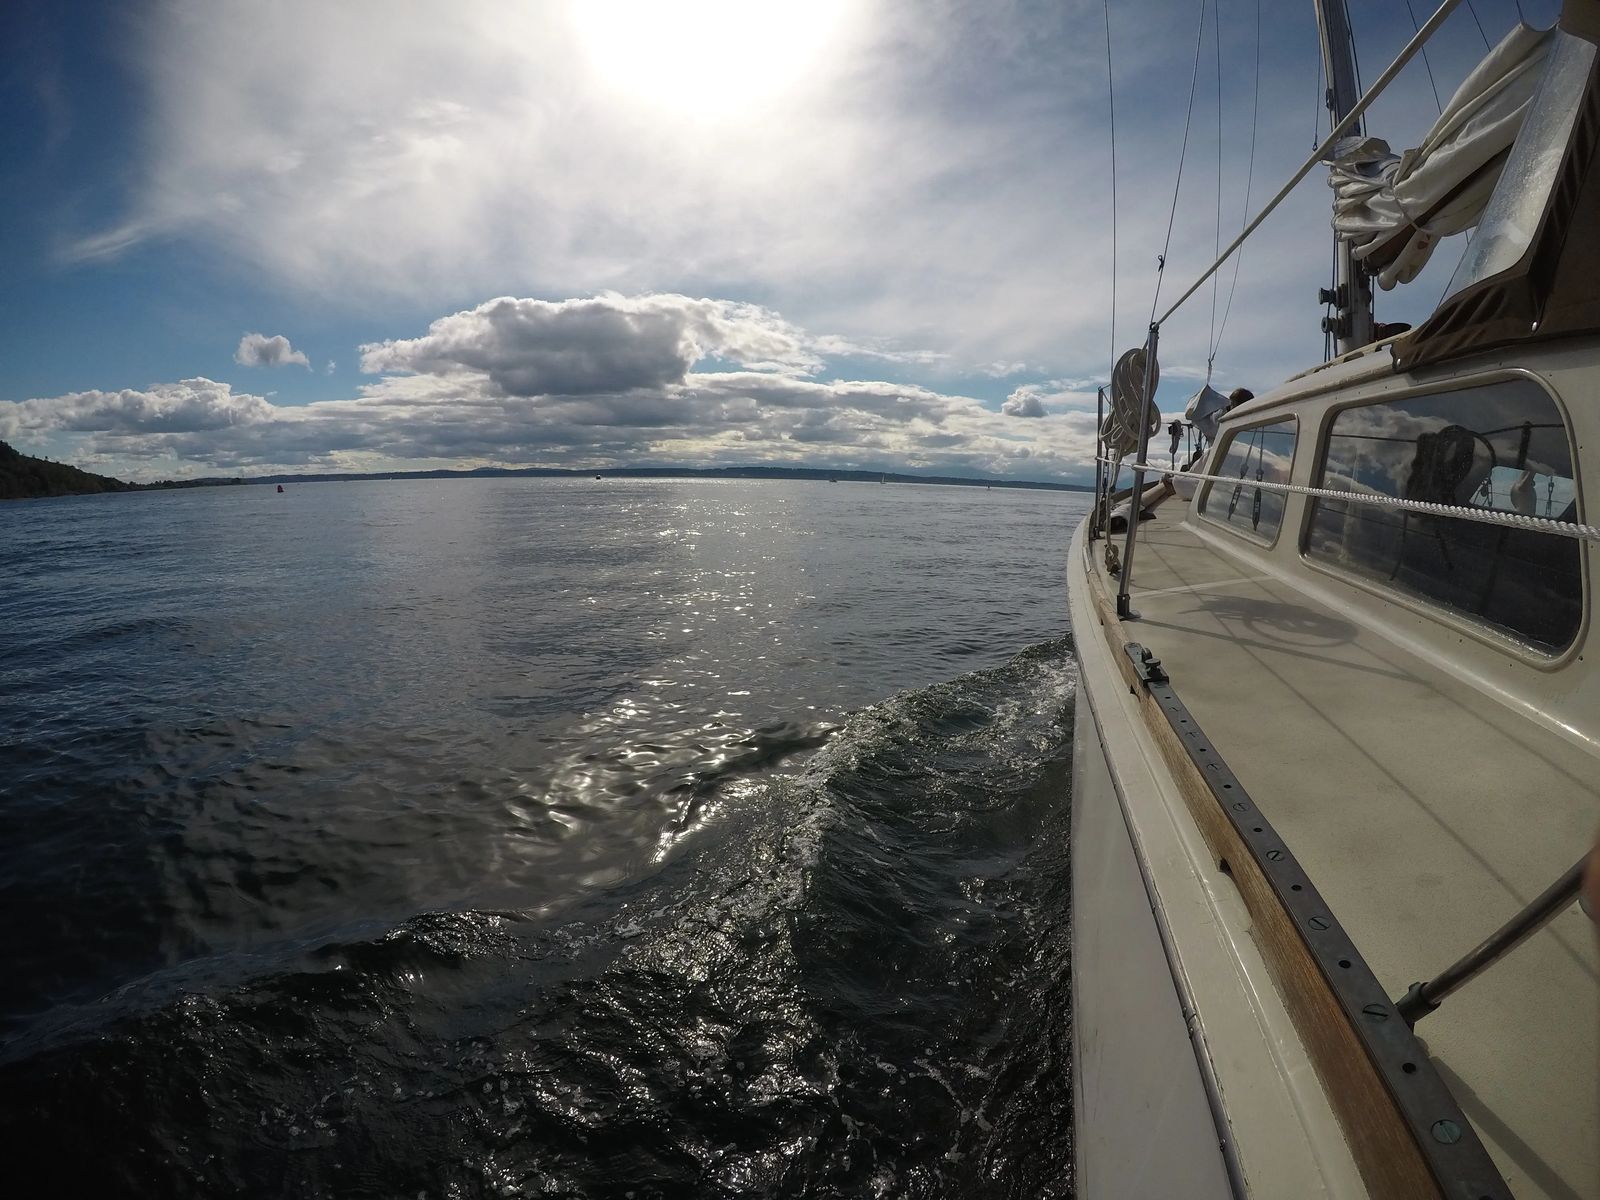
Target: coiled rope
<point>1462,512</point>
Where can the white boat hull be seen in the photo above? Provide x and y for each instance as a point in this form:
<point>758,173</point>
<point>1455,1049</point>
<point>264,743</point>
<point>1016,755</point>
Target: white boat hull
<point>1191,1079</point>
<point>1144,1125</point>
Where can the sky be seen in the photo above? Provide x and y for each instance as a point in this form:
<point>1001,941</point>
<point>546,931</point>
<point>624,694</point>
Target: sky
<point>244,238</point>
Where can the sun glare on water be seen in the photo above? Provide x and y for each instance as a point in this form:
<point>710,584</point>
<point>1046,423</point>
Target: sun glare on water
<point>713,59</point>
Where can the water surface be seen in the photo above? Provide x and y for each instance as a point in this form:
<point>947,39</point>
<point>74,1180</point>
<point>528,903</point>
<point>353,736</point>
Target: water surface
<point>537,837</point>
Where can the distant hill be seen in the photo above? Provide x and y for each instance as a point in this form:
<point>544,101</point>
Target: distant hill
<point>749,472</point>
<point>23,476</point>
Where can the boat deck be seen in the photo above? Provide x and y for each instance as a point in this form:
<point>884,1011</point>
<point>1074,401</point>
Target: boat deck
<point>1427,813</point>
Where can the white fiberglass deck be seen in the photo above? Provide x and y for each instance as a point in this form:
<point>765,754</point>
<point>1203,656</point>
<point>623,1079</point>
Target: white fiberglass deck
<point>1425,811</point>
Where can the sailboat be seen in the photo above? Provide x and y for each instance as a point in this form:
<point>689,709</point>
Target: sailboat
<point>1337,741</point>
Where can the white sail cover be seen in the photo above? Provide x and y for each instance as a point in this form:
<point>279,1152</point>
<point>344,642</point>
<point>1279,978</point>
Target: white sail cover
<point>1395,208</point>
<point>1204,410</point>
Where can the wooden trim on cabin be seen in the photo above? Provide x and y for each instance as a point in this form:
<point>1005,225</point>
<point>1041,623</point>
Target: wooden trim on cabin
<point>1380,1139</point>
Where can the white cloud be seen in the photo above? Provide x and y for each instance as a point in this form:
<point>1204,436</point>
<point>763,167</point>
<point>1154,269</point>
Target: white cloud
<point>1024,402</point>
<point>835,346</point>
<point>935,178</point>
<point>188,406</point>
<point>1050,396</point>
<point>609,343</point>
<point>584,382</point>
<point>109,243</point>
<point>259,350</point>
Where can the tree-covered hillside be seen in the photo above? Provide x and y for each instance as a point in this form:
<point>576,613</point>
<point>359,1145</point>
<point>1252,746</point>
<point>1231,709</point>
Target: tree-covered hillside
<point>22,476</point>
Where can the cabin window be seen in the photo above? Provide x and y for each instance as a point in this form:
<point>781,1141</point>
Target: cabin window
<point>1260,454</point>
<point>1502,446</point>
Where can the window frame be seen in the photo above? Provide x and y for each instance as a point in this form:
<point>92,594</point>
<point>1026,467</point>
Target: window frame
<point>1219,454</point>
<point>1440,614</point>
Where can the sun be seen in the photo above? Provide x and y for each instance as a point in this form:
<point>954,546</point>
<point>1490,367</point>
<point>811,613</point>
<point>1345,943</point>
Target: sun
<point>711,59</point>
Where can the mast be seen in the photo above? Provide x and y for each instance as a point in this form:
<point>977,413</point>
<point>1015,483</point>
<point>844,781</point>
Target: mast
<point>1351,297</point>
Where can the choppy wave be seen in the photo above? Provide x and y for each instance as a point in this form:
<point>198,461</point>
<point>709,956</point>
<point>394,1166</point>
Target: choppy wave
<point>846,978</point>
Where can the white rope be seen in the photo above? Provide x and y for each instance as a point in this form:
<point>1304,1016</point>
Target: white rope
<point>1571,529</point>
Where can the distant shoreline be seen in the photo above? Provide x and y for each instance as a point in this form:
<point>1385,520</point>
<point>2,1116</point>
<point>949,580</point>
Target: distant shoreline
<point>23,477</point>
<point>809,473</point>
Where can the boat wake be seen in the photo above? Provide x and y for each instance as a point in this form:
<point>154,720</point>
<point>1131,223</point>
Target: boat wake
<point>843,977</point>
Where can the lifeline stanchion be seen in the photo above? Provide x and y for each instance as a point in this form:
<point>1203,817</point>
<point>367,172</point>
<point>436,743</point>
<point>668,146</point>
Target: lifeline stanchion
<point>1424,998</point>
<point>1099,463</point>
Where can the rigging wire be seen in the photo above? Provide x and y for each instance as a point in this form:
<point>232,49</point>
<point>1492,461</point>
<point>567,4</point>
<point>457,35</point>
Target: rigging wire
<point>1319,153</point>
<point>1177,186</point>
<point>1216,249</point>
<point>1355,53</point>
<point>1445,291</point>
<point>1316,109</point>
<point>1476,22</point>
<point>1111,99</point>
<point>1521,16</point>
<point>1249,178</point>
<point>1426,65</point>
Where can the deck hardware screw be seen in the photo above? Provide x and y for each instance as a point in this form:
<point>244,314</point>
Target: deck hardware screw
<point>1239,806</point>
<point>1447,1132</point>
<point>1318,922</point>
<point>1377,1012</point>
<point>1274,855</point>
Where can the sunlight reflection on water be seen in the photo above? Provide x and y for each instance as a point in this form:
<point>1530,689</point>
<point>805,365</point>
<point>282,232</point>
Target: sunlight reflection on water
<point>426,838</point>
<point>351,702</point>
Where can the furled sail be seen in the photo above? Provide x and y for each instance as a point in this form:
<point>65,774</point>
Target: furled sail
<point>1395,208</point>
